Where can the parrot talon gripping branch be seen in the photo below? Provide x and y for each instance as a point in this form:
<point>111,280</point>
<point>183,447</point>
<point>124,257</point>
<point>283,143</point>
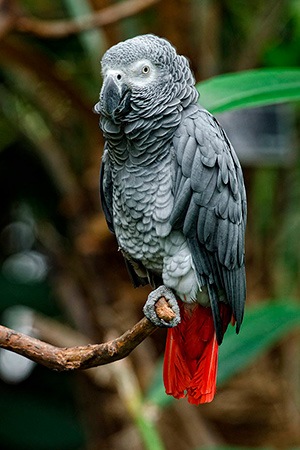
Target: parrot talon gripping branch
<point>161,311</point>
<point>150,307</point>
<point>173,194</point>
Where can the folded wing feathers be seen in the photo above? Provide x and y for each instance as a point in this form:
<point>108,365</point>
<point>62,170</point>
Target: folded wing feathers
<point>183,199</point>
<point>210,207</point>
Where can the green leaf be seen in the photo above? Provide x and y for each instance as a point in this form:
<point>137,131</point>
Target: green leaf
<point>262,327</point>
<point>251,88</point>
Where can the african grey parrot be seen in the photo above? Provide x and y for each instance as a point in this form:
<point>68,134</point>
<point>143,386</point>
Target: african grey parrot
<point>172,191</point>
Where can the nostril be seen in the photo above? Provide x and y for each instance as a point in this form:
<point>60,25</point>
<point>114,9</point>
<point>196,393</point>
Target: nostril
<point>119,76</point>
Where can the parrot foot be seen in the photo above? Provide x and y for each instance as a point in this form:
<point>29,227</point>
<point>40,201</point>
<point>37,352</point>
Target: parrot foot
<point>151,307</point>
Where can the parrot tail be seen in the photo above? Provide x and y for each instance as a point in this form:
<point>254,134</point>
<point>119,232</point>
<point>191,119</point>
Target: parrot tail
<point>191,355</point>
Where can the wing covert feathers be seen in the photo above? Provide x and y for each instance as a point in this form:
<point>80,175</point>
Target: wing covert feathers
<point>106,189</point>
<point>191,355</point>
<point>210,209</point>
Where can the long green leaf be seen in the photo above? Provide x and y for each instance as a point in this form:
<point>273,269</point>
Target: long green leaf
<point>263,326</point>
<point>250,88</point>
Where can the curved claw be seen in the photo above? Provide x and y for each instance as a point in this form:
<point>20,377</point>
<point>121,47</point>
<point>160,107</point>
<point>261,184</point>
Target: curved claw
<point>149,307</point>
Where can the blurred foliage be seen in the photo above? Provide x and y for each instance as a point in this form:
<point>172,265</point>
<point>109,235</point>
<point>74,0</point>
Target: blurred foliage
<point>58,258</point>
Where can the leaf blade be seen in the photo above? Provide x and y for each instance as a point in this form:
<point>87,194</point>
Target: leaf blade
<point>263,326</point>
<point>259,87</point>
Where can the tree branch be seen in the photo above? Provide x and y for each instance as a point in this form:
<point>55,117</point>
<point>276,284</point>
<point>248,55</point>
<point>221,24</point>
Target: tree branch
<point>82,357</point>
<point>63,28</point>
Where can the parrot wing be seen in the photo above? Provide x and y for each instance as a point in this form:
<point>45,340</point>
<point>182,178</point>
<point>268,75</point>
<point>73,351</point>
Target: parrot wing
<point>106,193</point>
<point>106,197</point>
<point>210,209</point>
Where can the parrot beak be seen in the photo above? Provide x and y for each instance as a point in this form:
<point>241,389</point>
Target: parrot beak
<point>114,97</point>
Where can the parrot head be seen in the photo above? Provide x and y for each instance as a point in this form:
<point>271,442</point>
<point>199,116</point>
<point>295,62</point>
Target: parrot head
<point>143,71</point>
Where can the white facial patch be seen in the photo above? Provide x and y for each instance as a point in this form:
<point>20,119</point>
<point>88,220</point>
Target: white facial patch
<point>142,73</point>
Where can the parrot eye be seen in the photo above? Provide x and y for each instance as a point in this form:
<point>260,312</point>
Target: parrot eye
<point>119,76</point>
<point>146,69</point>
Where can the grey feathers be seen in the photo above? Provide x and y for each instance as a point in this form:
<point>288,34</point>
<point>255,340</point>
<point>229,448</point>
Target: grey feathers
<point>210,206</point>
<point>172,188</point>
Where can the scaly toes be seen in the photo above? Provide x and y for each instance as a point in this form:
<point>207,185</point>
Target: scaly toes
<point>150,310</point>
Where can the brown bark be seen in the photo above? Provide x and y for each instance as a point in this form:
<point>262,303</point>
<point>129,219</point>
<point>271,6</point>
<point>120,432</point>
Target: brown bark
<point>81,357</point>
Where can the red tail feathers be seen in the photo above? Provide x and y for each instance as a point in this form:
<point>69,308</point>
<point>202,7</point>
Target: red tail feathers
<point>191,356</point>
